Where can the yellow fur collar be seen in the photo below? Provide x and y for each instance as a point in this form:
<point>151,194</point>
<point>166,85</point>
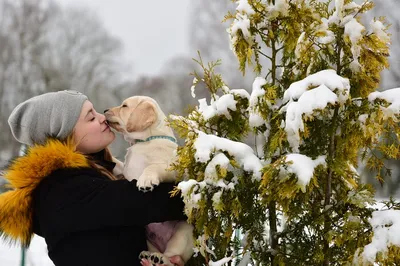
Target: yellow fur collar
<point>24,175</point>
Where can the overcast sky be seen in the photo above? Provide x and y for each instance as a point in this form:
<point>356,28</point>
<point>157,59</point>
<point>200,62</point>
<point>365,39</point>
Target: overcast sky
<point>151,31</point>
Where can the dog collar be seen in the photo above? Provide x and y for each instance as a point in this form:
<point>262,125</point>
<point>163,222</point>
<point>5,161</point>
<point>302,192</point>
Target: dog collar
<point>157,137</point>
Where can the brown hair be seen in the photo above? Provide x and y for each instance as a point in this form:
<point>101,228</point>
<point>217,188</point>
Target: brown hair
<point>102,169</point>
<point>92,162</point>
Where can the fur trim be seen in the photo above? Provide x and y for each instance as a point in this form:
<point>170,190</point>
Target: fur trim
<point>24,175</point>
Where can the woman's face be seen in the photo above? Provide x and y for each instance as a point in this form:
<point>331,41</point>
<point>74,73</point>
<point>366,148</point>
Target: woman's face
<point>91,132</point>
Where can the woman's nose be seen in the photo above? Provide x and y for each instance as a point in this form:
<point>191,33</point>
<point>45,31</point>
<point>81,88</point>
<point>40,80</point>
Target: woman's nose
<point>102,118</point>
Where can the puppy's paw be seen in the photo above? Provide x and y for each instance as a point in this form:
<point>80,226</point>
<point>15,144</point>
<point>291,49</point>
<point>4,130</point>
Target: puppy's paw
<point>147,181</point>
<point>155,258</point>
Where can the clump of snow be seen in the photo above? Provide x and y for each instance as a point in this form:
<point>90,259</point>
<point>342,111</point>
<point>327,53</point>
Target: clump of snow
<point>329,35</point>
<point>281,7</point>
<point>354,30</point>
<point>206,144</point>
<point>379,30</point>
<point>327,77</point>
<point>218,107</point>
<point>302,166</point>
<point>241,22</point>
<point>220,262</point>
<point>244,7</point>
<point>391,96</point>
<point>363,119</point>
<point>301,45</point>
<point>309,101</point>
<point>327,81</point>
<point>216,199</point>
<point>191,200</point>
<point>352,5</point>
<point>386,227</point>
<point>219,159</point>
<point>241,93</point>
<point>255,118</point>
<point>193,87</point>
<point>337,16</point>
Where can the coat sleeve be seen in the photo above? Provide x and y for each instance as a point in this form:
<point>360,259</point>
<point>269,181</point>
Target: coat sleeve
<point>85,202</point>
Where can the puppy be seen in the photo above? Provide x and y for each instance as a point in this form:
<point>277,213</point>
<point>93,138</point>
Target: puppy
<point>153,148</point>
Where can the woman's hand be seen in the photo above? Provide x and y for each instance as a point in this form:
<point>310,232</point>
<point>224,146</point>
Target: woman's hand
<point>176,260</point>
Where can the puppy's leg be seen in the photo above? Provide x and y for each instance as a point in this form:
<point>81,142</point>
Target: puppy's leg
<point>154,255</point>
<point>150,250</point>
<point>182,242</point>
<point>151,176</point>
<point>119,167</point>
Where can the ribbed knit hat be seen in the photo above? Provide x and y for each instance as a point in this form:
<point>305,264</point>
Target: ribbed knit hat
<point>52,114</point>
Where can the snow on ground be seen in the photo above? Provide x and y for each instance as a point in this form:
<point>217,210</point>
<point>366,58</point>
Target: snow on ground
<point>36,255</point>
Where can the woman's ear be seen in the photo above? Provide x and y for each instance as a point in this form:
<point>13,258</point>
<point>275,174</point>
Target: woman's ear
<point>143,116</point>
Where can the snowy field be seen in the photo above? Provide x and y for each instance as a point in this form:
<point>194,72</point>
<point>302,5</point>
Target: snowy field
<point>36,255</point>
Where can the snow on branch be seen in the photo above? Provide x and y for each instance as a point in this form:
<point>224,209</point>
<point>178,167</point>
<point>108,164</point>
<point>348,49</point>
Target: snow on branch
<point>391,96</point>
<point>328,77</point>
<point>217,107</point>
<point>308,100</point>
<point>386,227</point>
<point>244,7</point>
<point>255,119</point>
<point>302,166</point>
<point>206,144</point>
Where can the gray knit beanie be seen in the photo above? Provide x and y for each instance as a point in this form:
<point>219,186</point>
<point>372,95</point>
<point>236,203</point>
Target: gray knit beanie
<point>52,114</point>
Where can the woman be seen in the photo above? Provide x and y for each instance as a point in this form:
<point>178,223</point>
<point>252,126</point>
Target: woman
<point>63,189</point>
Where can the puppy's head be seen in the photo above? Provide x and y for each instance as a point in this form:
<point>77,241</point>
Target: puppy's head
<point>135,114</point>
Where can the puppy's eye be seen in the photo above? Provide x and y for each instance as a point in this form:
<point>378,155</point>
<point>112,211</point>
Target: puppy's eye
<point>124,105</point>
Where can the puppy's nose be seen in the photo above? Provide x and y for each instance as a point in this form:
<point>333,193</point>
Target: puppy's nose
<point>105,111</point>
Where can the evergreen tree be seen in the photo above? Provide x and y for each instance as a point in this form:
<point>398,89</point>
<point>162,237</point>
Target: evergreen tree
<point>296,198</point>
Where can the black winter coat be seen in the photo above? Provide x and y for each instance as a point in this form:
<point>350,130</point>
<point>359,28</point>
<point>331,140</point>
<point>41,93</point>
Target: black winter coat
<point>85,218</point>
<point>88,219</point>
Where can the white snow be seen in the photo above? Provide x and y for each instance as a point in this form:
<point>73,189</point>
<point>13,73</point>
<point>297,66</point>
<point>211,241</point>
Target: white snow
<point>378,29</point>
<point>329,35</point>
<point>220,262</point>
<point>255,119</point>
<point>386,227</point>
<point>191,200</point>
<point>219,159</point>
<point>337,16</point>
<point>192,89</point>
<point>311,100</point>
<point>327,77</point>
<point>326,82</point>
<point>302,166</point>
<point>301,45</point>
<point>354,30</point>
<point>392,96</point>
<point>218,107</point>
<point>206,144</point>
<point>36,254</point>
<point>281,7</point>
<point>244,7</point>
<point>241,93</point>
<point>242,22</point>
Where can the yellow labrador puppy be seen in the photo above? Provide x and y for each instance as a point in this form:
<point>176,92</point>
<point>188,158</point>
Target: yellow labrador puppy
<point>153,147</point>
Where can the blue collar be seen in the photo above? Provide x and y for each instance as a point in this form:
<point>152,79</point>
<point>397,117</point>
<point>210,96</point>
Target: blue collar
<point>157,137</point>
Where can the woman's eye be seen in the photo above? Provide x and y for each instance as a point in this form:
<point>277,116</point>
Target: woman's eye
<point>92,119</point>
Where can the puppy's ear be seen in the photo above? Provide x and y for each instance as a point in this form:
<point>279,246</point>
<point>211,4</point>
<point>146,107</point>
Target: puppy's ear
<point>142,117</point>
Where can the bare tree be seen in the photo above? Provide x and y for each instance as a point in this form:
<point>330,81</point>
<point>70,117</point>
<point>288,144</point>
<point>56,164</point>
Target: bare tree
<point>46,48</point>
<point>21,29</point>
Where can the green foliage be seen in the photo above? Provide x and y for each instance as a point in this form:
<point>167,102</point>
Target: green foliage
<point>277,219</point>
